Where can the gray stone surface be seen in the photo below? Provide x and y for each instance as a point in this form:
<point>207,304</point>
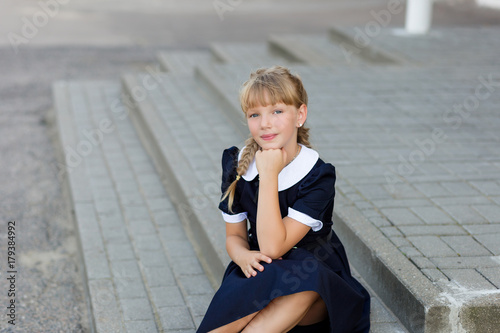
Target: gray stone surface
<point>134,280</point>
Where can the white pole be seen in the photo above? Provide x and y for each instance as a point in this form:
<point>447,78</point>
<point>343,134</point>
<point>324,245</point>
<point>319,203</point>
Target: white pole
<point>418,16</point>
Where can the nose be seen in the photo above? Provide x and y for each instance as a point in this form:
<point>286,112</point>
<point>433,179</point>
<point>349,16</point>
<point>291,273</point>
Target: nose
<point>265,121</point>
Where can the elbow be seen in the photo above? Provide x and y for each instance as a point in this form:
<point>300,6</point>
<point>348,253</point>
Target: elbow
<point>271,252</point>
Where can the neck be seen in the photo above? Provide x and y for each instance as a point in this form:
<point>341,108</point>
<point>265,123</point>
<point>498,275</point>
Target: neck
<point>296,154</point>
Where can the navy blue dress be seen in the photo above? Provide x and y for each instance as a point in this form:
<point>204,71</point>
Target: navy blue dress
<point>306,189</point>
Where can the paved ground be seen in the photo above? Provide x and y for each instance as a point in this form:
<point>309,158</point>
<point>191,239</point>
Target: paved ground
<point>49,292</point>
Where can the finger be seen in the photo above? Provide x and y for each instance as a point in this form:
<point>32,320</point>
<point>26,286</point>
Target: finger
<point>258,266</point>
<point>251,272</point>
<point>265,258</point>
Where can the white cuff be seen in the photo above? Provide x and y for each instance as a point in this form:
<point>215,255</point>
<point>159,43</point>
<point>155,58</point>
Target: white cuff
<point>305,219</point>
<point>236,218</point>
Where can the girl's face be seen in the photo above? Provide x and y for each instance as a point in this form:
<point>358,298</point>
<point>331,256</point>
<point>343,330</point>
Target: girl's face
<point>275,126</point>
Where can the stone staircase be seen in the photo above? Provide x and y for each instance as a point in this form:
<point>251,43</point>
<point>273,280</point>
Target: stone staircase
<point>142,157</point>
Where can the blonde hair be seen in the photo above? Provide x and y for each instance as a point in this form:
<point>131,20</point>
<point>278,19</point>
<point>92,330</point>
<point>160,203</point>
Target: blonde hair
<point>268,86</point>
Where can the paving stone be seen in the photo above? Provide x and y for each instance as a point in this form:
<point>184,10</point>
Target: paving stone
<point>175,318</point>
<point>432,190</point>
<point>465,246</point>
<point>136,309</point>
<point>167,296</point>
<point>409,251</point>
<point>172,233</point>
<point>142,227</point>
<point>107,314</point>
<point>453,201</point>
<point>165,218</point>
<point>483,229</point>
<point>400,241</point>
<point>159,203</point>
<point>434,274</point>
<point>160,276</point>
<point>125,269</point>
<point>195,285</point>
<point>401,216</point>
<point>459,189</point>
<point>469,278</point>
<point>199,303</point>
<point>186,266</point>
<point>120,251</point>
<point>432,215</point>
<point>437,230</point>
<point>96,264</point>
<point>149,242</point>
<point>464,214</point>
<point>422,262</point>
<point>464,262</point>
<point>143,326</point>
<point>130,287</point>
<point>487,187</point>
<point>490,212</point>
<point>432,246</point>
<point>152,258</point>
<point>492,274</point>
<point>136,212</point>
<point>490,241</point>
<point>180,249</point>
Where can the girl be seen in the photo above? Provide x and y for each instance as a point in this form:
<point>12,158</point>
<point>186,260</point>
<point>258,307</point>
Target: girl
<point>289,271</point>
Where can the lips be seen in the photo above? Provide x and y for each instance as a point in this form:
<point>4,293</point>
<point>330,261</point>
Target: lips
<point>268,137</point>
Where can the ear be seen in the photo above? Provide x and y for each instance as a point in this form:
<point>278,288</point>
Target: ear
<point>301,115</point>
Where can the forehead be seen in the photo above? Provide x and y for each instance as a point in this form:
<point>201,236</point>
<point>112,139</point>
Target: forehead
<point>260,107</point>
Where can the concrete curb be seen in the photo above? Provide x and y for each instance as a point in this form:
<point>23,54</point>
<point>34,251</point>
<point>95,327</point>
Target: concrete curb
<point>370,53</point>
<point>66,136</point>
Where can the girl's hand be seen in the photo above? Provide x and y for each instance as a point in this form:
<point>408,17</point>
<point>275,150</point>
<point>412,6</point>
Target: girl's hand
<point>270,161</point>
<point>250,263</point>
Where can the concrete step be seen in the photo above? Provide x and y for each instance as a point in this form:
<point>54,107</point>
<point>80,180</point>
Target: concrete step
<point>253,54</point>
<point>183,61</point>
<point>186,130</point>
<point>141,271</point>
<point>315,49</point>
<point>395,45</point>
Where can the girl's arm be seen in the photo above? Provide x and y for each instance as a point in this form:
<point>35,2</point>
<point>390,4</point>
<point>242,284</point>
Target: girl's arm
<point>239,251</point>
<point>276,235</point>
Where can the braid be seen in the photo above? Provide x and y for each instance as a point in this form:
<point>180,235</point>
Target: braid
<point>246,158</point>
<point>303,136</point>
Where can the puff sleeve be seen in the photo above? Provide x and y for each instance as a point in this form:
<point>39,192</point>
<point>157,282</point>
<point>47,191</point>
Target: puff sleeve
<point>315,197</point>
<point>229,165</point>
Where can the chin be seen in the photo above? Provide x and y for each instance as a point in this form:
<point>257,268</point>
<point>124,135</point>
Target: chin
<point>266,145</point>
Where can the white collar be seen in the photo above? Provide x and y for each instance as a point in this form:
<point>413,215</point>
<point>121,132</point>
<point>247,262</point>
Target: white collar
<point>290,174</point>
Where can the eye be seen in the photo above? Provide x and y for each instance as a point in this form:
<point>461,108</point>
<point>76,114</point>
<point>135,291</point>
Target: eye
<point>253,115</point>
<point>278,111</point>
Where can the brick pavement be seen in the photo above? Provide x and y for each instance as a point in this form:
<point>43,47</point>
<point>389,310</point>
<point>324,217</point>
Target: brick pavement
<point>142,272</point>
